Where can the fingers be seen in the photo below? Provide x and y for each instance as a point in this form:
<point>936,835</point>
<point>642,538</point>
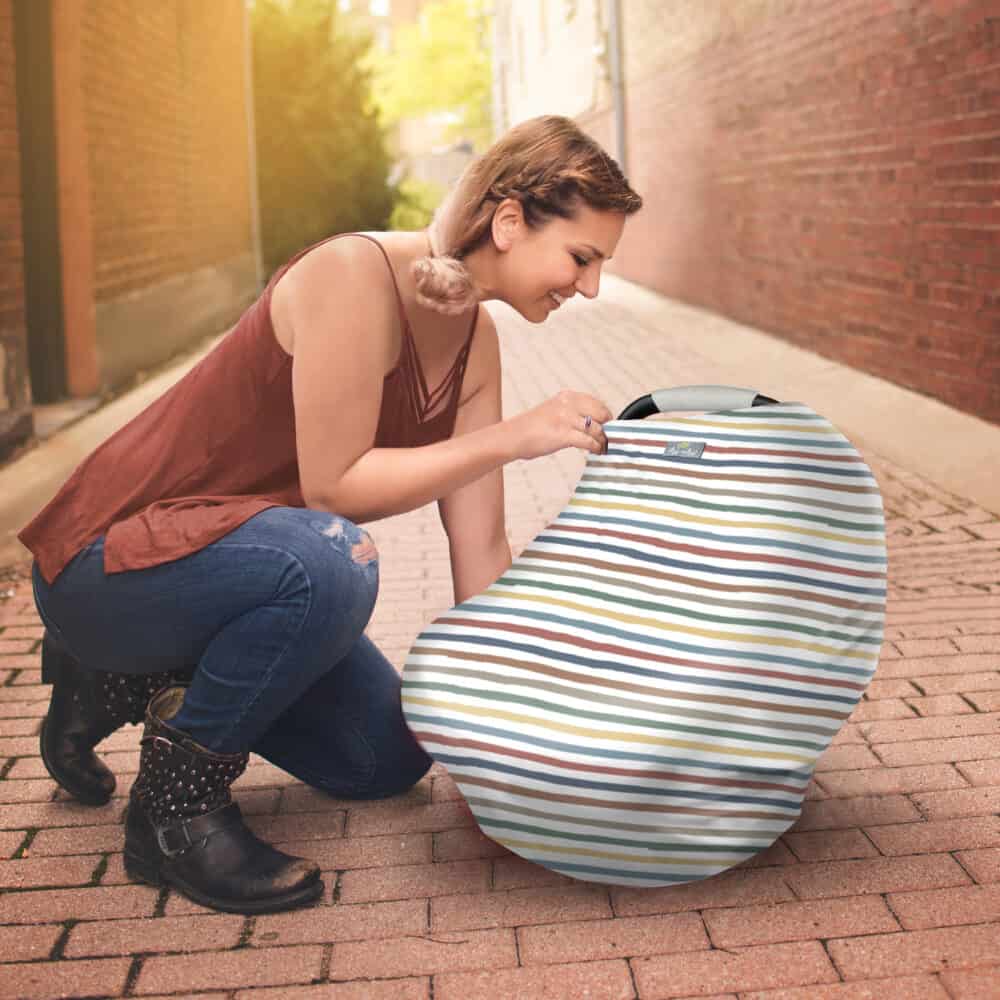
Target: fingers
<point>598,410</point>
<point>597,438</point>
<point>588,442</point>
<point>593,414</point>
<point>599,415</point>
<point>584,404</point>
<point>576,408</point>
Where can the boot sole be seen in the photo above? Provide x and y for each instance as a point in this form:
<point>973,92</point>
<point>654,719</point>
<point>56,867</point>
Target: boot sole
<point>151,873</point>
<point>80,793</point>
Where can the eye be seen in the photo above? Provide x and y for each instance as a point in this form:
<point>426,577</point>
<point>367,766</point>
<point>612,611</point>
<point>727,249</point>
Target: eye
<point>581,261</point>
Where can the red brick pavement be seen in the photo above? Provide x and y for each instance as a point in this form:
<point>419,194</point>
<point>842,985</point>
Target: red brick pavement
<point>887,887</point>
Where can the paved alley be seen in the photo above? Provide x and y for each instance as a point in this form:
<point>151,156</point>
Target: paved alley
<point>888,886</point>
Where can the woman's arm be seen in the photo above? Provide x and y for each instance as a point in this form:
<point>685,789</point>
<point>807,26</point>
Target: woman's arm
<point>473,569</point>
<point>473,515</point>
<point>342,307</point>
<point>388,481</point>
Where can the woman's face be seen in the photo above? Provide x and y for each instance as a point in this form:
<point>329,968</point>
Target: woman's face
<point>541,268</point>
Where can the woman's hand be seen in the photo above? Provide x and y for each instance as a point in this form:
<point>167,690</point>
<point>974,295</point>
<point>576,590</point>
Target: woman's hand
<point>561,422</point>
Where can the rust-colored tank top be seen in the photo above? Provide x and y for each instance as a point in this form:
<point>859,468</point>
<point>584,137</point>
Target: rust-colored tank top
<point>219,447</point>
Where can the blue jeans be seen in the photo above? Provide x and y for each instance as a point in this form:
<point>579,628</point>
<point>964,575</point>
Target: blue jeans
<point>271,618</point>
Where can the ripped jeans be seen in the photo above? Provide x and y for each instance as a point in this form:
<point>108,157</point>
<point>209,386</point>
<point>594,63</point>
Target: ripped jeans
<point>271,617</point>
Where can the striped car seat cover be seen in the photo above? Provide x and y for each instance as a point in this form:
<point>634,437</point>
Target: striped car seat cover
<point>642,697</point>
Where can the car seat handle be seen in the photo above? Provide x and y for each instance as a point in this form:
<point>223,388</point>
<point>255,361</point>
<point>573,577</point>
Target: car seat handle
<point>693,397</point>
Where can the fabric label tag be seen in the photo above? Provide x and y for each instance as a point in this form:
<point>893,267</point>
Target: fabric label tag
<point>684,449</point>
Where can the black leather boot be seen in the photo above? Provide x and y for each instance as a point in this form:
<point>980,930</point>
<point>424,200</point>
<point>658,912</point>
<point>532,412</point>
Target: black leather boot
<point>84,708</point>
<point>182,828</point>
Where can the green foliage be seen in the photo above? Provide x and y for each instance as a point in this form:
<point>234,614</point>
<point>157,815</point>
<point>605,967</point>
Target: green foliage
<point>321,159</point>
<point>440,64</point>
<point>415,204</point>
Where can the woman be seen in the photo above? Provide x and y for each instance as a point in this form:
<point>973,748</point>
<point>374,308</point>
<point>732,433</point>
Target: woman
<point>210,550</point>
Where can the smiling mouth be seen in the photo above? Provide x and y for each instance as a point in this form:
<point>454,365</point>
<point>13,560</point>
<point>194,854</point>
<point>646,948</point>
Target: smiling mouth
<point>556,298</point>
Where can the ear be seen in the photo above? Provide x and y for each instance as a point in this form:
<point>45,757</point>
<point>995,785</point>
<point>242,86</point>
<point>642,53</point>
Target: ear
<point>507,224</point>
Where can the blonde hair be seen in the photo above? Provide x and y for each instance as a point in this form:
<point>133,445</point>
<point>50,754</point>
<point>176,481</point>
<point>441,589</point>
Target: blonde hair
<point>549,165</point>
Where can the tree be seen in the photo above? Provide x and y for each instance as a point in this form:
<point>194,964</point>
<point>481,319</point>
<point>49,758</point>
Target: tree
<point>415,203</point>
<point>439,64</point>
<point>321,159</point>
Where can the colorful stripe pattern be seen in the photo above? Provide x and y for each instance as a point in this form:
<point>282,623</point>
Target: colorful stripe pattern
<point>641,699</point>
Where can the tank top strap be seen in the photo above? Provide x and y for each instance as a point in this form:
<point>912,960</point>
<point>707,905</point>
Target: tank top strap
<point>403,319</point>
<point>472,327</point>
<point>453,380</point>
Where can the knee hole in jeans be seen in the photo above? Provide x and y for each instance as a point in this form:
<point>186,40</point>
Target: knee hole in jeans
<point>363,551</point>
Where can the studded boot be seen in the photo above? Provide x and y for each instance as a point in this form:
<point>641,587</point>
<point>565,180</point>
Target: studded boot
<point>182,828</point>
<point>85,707</point>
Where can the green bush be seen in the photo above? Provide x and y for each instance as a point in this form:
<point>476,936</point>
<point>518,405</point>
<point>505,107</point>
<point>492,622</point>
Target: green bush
<point>415,204</point>
<point>321,158</point>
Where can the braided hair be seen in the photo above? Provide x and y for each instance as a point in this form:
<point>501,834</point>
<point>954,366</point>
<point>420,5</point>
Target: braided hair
<point>549,166</point>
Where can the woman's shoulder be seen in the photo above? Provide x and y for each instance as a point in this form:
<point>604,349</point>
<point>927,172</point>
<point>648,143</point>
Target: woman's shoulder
<point>339,261</point>
<point>356,251</point>
<point>338,274</point>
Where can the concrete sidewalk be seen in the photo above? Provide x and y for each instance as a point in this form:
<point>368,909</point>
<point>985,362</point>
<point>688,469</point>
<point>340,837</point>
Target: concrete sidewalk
<point>888,886</point>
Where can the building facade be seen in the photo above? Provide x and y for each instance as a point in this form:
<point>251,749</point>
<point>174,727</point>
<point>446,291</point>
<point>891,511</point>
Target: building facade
<point>828,172</point>
<point>127,213</point>
<point>15,388</point>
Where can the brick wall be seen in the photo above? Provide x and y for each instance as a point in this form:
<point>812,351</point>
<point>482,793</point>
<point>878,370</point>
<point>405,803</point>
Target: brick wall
<point>15,421</point>
<point>829,172</point>
<point>169,172</point>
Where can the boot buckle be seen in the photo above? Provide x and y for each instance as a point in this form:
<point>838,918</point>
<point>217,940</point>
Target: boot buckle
<point>174,840</point>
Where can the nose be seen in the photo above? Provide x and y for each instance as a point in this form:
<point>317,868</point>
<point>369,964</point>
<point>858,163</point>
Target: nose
<point>589,282</point>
